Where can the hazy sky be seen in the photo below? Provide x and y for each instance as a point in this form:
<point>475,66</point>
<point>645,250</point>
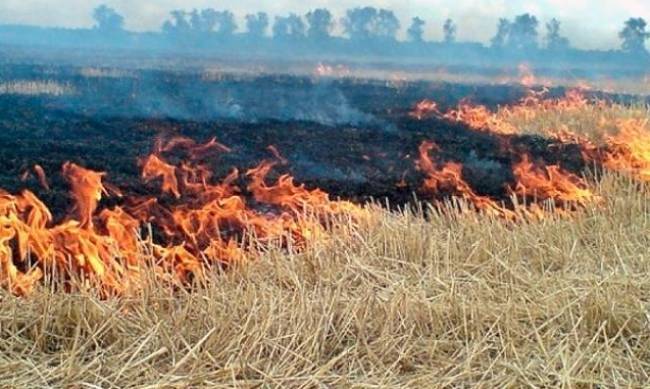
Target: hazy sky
<point>588,23</point>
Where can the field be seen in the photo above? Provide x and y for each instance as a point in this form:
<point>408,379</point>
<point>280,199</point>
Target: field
<point>491,275</point>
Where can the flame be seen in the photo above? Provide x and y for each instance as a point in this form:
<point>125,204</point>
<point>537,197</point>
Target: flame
<point>447,179</point>
<point>200,221</point>
<point>324,70</point>
<point>194,149</point>
<point>540,183</point>
<point>207,224</point>
<point>153,167</point>
<point>480,117</point>
<point>87,190</point>
<point>629,150</point>
<point>277,155</point>
<point>550,183</point>
<point>424,109</point>
<point>284,192</point>
<point>42,177</point>
<point>526,75</point>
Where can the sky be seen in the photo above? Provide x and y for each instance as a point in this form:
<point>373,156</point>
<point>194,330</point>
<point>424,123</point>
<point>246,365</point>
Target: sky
<point>589,24</point>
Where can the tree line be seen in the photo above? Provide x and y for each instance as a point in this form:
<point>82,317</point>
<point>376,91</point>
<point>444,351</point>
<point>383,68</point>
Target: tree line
<point>362,24</point>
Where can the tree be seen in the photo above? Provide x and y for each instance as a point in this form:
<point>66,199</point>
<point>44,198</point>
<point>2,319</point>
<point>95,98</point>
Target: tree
<point>204,22</point>
<point>523,33</point>
<point>178,23</point>
<point>107,19</point>
<point>320,24</point>
<point>358,22</point>
<point>554,40</point>
<point>290,26</point>
<point>501,38</point>
<point>226,24</point>
<point>416,30</point>
<point>368,23</point>
<point>386,25</point>
<point>449,31</point>
<point>634,36</point>
<point>257,24</point>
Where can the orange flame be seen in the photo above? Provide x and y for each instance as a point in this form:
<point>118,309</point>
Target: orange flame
<point>629,150</point>
<point>210,225</point>
<point>526,75</point>
<point>87,190</point>
<point>481,118</point>
<point>153,167</point>
<point>42,177</point>
<point>550,183</point>
<point>448,180</point>
<point>424,109</point>
<point>205,222</point>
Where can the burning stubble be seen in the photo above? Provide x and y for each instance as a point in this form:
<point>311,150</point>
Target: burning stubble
<point>200,221</point>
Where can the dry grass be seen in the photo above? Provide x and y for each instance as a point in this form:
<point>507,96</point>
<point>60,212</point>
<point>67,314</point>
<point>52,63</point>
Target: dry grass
<point>456,299</point>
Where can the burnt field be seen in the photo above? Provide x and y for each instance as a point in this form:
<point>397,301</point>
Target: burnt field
<point>519,257</point>
<point>354,139</point>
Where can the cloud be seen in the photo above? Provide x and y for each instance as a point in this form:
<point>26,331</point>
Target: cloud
<point>589,23</point>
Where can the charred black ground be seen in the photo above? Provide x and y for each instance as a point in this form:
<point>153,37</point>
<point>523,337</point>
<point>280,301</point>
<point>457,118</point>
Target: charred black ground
<point>103,125</point>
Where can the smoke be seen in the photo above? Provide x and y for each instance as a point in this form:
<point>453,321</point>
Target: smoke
<point>370,34</point>
<point>103,92</point>
<point>35,88</point>
<point>320,102</point>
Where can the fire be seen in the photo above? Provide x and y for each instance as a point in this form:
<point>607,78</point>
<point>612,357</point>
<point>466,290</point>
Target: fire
<point>424,109</point>
<point>550,183</point>
<point>532,182</point>
<point>208,224</point>
<point>40,176</point>
<point>324,70</point>
<point>154,167</point>
<point>629,150</point>
<point>87,190</point>
<point>535,183</point>
<point>198,221</point>
<point>194,149</point>
<point>479,117</point>
<point>526,76</point>
<point>446,179</point>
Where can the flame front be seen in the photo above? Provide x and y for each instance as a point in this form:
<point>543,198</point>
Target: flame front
<point>535,182</point>
<point>208,225</point>
<point>550,183</point>
<point>447,179</point>
<point>198,222</point>
<point>629,150</point>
